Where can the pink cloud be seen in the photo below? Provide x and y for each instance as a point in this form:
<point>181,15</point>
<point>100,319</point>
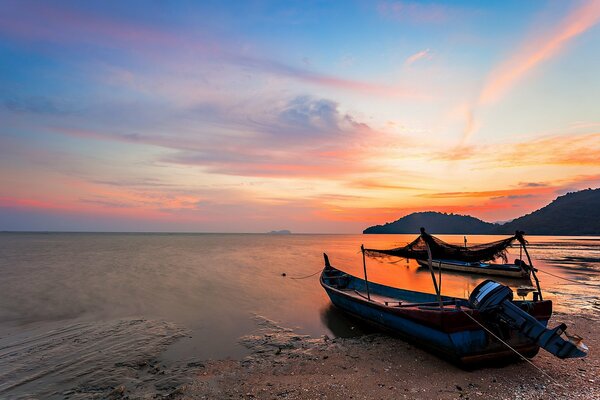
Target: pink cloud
<point>536,50</point>
<point>45,22</point>
<point>532,52</point>
<point>423,54</point>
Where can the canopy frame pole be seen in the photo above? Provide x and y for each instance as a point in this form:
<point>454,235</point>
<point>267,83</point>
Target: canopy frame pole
<point>435,285</point>
<point>519,236</point>
<point>537,282</point>
<point>439,276</point>
<point>362,249</point>
<point>520,251</point>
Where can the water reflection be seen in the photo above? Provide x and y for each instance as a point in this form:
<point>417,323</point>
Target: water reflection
<point>212,284</point>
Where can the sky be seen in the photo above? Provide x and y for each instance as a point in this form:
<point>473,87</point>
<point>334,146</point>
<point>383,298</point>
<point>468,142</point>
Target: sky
<point>312,116</point>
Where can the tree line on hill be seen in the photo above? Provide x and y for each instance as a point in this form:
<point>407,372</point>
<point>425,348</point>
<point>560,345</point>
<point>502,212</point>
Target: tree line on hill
<point>576,213</point>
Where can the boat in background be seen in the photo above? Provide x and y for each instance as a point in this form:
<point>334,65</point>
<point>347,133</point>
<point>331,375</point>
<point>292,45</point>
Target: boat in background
<point>518,270</point>
<point>489,325</point>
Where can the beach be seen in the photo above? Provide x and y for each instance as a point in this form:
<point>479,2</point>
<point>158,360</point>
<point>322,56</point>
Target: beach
<point>299,199</point>
<point>211,316</point>
<point>284,365</point>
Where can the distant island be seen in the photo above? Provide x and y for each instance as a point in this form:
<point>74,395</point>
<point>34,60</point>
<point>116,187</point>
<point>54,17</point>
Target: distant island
<point>281,232</point>
<point>576,213</point>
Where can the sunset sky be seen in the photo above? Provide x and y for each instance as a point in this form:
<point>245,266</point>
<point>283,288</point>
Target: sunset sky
<point>250,116</point>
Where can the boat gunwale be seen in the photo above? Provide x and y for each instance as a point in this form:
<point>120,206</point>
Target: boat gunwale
<point>516,272</point>
<point>447,320</point>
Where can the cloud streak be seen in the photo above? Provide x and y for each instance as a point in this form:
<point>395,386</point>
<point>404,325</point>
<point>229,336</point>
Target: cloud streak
<point>421,55</point>
<point>531,53</point>
<point>299,137</point>
<point>536,50</point>
<point>43,23</point>
<point>559,149</point>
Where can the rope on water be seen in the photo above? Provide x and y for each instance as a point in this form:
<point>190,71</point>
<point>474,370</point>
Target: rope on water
<point>304,277</point>
<point>514,350</point>
<point>567,279</point>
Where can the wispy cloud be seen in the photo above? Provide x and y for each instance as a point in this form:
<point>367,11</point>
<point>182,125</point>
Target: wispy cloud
<point>421,55</point>
<point>38,105</point>
<point>532,184</point>
<point>534,50</point>
<point>538,49</point>
<point>51,23</point>
<point>559,149</point>
<point>490,194</point>
<point>301,137</point>
<point>571,150</point>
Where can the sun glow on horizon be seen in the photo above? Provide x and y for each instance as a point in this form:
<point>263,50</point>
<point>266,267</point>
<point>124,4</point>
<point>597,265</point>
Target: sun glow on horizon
<point>256,117</point>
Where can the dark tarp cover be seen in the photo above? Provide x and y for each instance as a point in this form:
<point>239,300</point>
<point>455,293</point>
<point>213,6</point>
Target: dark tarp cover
<point>417,249</point>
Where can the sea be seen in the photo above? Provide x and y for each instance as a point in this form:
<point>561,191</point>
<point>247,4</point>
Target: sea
<point>76,309</point>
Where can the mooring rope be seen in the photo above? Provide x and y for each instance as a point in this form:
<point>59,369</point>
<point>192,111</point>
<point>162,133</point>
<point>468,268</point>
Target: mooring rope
<point>307,276</point>
<point>567,279</point>
<point>510,347</point>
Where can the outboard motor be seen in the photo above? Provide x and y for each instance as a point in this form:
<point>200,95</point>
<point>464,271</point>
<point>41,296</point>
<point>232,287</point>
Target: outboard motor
<point>494,299</point>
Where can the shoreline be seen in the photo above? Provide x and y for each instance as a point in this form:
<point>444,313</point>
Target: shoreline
<point>284,364</point>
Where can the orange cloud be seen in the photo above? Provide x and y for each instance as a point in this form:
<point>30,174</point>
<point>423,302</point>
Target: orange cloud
<point>556,149</point>
<point>514,193</point>
<point>563,149</point>
<point>379,184</point>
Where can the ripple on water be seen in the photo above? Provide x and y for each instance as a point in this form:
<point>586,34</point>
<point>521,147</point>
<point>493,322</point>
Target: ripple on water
<point>86,359</point>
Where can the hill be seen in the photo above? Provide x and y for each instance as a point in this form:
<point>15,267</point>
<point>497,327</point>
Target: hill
<point>576,213</point>
<point>435,222</point>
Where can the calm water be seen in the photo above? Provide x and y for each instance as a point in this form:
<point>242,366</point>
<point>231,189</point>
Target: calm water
<point>211,285</point>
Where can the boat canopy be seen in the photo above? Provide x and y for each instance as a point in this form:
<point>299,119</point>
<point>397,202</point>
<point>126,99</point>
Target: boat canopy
<point>417,249</point>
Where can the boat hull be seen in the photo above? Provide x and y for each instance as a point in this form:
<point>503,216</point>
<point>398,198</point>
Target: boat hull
<point>508,270</point>
<point>449,333</point>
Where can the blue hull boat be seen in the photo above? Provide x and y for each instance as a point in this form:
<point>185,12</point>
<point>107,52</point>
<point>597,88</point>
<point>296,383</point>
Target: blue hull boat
<point>448,326</point>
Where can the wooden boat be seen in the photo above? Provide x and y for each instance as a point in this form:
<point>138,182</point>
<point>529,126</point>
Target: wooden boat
<point>517,270</point>
<point>455,331</point>
<point>489,325</point>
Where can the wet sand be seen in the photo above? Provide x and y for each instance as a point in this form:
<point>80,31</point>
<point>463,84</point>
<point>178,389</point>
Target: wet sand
<point>284,365</point>
<point>121,360</point>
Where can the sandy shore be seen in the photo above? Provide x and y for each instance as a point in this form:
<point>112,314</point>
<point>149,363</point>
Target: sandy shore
<point>284,365</point>
<point>121,360</point>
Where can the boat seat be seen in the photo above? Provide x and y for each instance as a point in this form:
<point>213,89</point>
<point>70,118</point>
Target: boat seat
<point>388,301</point>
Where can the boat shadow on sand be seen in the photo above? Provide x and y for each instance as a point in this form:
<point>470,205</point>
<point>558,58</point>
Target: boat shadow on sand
<point>347,326</point>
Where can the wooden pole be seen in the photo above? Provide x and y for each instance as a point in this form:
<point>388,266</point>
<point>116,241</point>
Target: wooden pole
<point>520,251</point>
<point>362,248</point>
<point>440,277</point>
<point>537,282</point>
<point>435,285</point>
